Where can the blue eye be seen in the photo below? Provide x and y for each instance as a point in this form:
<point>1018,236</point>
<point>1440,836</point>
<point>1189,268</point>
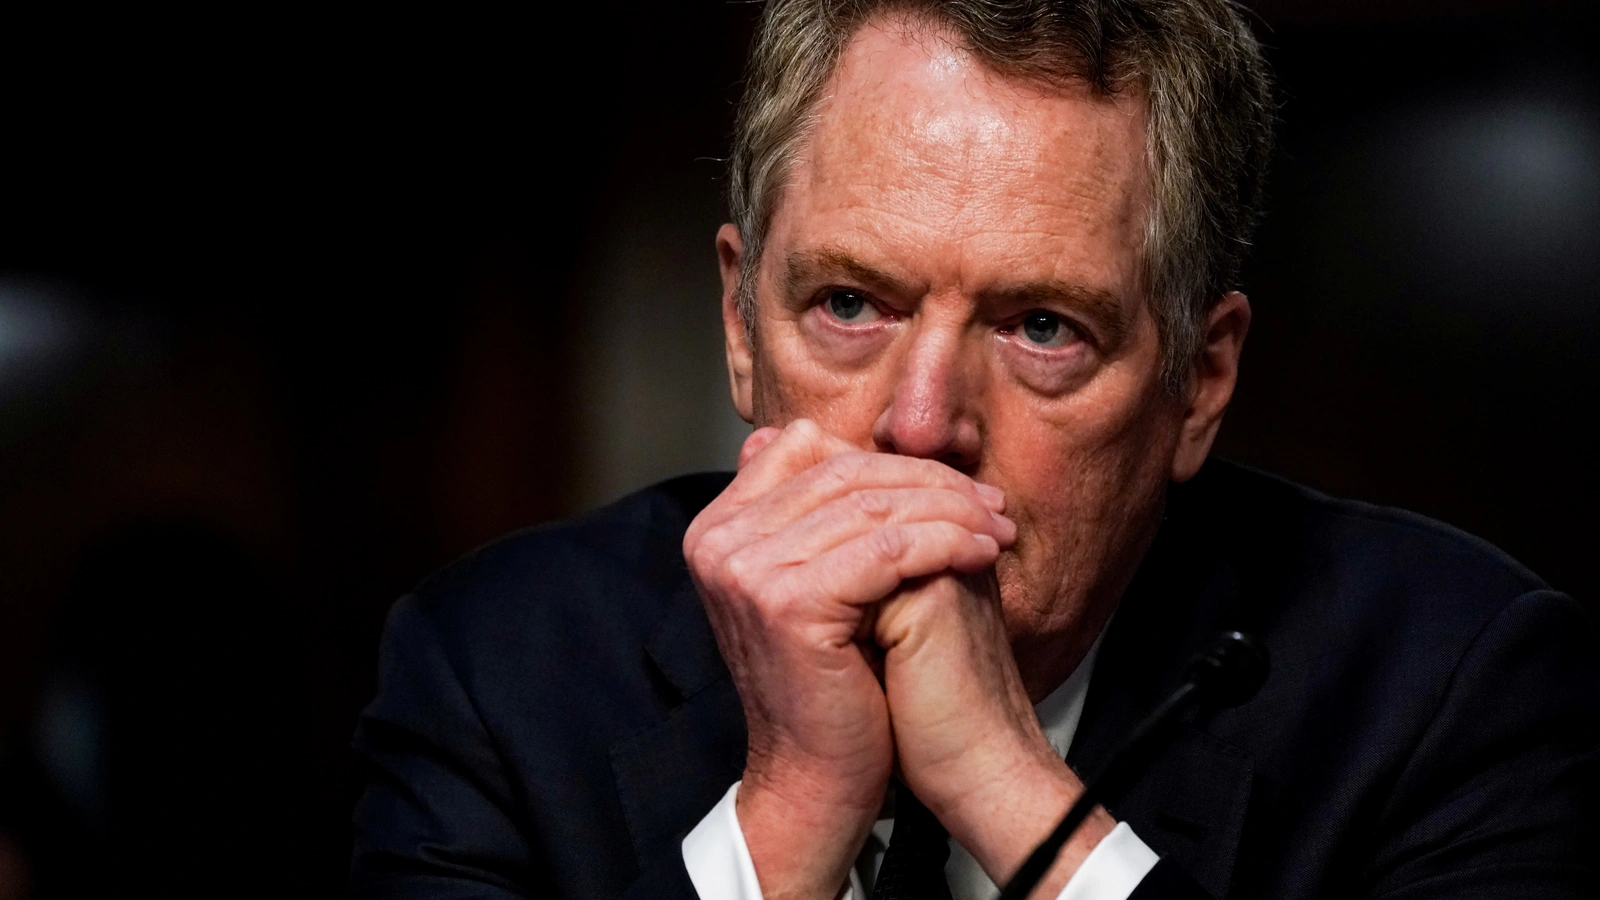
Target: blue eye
<point>1046,329</point>
<point>850,306</point>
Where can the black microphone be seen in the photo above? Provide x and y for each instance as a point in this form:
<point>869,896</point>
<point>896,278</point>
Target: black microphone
<point>1225,674</point>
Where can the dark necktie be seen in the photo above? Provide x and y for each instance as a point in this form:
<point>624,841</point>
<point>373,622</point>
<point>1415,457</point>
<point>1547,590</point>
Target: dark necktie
<point>913,866</point>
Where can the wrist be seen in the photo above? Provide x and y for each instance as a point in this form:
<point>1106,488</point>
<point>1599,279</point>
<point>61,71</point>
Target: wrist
<point>1002,817</point>
<point>803,837</point>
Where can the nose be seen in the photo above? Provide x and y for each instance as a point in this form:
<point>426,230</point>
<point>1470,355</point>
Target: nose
<point>932,413</point>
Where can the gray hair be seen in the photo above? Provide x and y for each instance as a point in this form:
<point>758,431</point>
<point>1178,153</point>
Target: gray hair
<point>1195,62</point>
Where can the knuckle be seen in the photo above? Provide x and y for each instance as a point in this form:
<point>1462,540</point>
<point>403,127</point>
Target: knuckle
<point>707,549</point>
<point>781,607</point>
<point>804,431</point>
<point>848,468</point>
<point>740,575</point>
<point>697,552</point>
<point>699,539</point>
<point>888,544</point>
<point>833,475</point>
<point>697,556</point>
<point>874,505</point>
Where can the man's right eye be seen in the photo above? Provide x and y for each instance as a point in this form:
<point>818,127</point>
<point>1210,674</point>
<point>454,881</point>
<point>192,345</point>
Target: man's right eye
<point>850,307</point>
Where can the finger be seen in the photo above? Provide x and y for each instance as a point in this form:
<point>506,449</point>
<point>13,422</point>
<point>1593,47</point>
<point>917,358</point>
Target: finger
<point>768,457</point>
<point>846,473</point>
<point>757,442</point>
<point>859,512</point>
<point>870,567</point>
<point>898,614</point>
<point>799,446</point>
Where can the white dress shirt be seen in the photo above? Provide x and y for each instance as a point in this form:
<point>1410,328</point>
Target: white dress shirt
<point>720,867</point>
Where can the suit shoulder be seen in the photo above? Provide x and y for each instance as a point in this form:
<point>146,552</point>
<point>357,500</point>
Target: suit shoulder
<point>1359,548</point>
<point>617,562</point>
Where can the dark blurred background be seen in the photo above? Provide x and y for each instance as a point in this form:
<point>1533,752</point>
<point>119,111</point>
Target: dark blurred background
<point>297,306</point>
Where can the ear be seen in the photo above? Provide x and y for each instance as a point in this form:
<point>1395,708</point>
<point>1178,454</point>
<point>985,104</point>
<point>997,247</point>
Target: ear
<point>736,341</point>
<point>1216,371</point>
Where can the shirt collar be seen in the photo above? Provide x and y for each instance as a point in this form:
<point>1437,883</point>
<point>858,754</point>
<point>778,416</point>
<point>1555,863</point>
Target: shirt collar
<point>1060,712</point>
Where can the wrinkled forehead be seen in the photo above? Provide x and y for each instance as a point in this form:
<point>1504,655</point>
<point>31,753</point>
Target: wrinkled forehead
<point>917,83</point>
<point>914,127</point>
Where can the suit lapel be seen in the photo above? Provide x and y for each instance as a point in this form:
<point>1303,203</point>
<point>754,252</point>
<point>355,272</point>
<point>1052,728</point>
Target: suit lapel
<point>1190,804</point>
<point>669,776</point>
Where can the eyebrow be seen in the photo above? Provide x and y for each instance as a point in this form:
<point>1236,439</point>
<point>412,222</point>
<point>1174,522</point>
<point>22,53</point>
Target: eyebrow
<point>1107,313</point>
<point>820,265</point>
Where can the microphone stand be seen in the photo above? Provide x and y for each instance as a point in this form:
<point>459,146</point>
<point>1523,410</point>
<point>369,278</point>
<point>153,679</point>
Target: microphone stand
<point>1226,674</point>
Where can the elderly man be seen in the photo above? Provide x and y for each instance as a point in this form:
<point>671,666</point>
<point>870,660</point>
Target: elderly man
<point>977,299</point>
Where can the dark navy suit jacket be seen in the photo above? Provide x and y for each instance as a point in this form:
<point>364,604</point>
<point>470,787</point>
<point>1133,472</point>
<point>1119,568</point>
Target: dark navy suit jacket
<point>553,714</point>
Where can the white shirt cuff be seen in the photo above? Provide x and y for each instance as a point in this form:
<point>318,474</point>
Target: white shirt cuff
<point>1112,869</point>
<point>719,861</point>
<point>717,858</point>
<point>719,864</point>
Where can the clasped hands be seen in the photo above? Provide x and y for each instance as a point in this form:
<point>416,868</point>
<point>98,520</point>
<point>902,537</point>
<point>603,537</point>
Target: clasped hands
<point>853,596</point>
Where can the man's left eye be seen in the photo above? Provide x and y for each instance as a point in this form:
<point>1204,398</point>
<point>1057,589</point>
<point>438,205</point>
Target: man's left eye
<point>1047,329</point>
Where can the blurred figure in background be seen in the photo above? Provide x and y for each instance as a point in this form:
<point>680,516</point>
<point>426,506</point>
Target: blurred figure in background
<point>172,742</point>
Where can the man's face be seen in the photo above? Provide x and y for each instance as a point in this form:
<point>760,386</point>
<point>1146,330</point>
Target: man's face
<point>952,272</point>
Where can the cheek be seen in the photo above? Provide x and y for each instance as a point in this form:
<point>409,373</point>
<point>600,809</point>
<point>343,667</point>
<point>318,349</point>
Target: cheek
<point>1073,449</point>
<point>1081,487</point>
<point>791,382</point>
<point>838,348</point>
<point>1048,373</point>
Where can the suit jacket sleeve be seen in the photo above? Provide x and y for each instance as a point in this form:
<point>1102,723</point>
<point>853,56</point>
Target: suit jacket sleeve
<point>1168,881</point>
<point>435,819</point>
<point>438,817</point>
<point>1499,798</point>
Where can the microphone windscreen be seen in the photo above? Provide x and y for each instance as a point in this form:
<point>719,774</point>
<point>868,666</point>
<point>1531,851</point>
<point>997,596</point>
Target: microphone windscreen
<point>1231,669</point>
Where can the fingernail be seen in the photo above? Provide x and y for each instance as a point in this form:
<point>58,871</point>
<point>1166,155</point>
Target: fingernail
<point>1008,528</point>
<point>991,495</point>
